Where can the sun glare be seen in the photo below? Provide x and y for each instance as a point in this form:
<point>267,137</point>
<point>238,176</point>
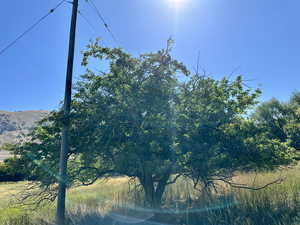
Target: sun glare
<point>177,3</point>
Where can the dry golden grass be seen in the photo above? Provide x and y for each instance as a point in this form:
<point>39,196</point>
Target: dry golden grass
<point>276,204</point>
<point>8,191</point>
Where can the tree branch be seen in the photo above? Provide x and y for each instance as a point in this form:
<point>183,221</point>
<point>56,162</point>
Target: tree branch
<point>243,186</point>
<point>174,180</point>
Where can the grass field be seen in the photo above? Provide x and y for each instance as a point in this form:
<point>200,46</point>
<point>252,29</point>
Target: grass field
<point>114,202</point>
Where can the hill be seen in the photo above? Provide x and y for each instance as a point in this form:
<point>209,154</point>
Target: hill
<point>13,125</point>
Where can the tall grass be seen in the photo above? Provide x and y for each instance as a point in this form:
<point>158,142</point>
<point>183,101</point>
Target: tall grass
<point>116,202</point>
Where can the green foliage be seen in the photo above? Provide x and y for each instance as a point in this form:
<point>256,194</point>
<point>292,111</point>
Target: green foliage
<point>40,155</point>
<point>281,120</point>
<point>12,170</point>
<point>216,138</point>
<point>148,118</point>
<point>292,127</point>
<point>272,117</point>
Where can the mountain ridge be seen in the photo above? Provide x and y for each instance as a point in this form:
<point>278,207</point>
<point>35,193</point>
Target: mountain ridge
<point>13,125</point>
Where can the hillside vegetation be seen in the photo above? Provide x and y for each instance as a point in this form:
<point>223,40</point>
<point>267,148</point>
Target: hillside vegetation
<point>15,124</point>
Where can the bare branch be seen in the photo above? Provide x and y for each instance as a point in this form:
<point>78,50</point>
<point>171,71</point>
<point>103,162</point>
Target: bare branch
<point>99,173</point>
<point>174,179</point>
<point>34,195</point>
<point>243,186</point>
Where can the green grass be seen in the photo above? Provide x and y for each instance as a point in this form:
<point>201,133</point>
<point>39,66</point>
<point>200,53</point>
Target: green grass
<point>276,204</point>
<point>8,192</point>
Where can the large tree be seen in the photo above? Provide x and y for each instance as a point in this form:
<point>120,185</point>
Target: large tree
<point>148,118</point>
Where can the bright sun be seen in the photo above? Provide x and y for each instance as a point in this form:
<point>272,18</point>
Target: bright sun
<point>177,3</point>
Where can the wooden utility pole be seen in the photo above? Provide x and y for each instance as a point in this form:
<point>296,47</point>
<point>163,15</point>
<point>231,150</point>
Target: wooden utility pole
<point>61,199</point>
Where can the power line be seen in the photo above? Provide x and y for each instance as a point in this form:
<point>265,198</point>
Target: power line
<point>87,20</point>
<point>80,13</point>
<point>30,28</point>
<point>92,4</point>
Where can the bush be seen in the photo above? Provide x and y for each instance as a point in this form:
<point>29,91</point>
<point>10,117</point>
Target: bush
<point>11,170</point>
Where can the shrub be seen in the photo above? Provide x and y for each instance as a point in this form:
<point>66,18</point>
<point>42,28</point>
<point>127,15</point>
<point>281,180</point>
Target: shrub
<point>10,170</point>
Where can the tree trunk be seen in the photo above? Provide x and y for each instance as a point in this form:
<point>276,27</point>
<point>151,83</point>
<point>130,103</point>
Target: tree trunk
<point>154,190</point>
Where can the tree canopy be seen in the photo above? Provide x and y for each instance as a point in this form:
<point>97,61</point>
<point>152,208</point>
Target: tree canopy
<point>149,118</point>
<point>280,120</point>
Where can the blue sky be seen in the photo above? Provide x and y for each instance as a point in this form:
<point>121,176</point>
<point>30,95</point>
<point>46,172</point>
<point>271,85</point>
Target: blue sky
<point>259,39</point>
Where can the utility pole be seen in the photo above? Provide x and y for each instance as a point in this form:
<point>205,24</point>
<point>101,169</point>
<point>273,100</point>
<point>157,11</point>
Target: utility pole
<point>61,199</point>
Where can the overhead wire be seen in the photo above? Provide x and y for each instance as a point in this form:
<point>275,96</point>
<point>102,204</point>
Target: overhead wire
<point>87,20</point>
<point>12,43</point>
<point>107,27</point>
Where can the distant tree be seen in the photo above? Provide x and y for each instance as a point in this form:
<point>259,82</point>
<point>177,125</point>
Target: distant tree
<point>146,119</point>
<point>292,127</point>
<point>295,98</point>
<point>280,120</point>
<point>12,169</point>
<point>273,116</point>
